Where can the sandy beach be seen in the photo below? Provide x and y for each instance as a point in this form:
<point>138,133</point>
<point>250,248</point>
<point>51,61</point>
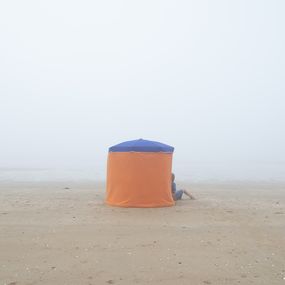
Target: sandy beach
<point>62,233</point>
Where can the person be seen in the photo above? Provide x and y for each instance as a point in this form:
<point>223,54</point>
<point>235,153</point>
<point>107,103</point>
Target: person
<point>177,194</point>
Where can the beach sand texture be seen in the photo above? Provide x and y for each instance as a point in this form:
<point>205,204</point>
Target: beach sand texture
<point>62,233</point>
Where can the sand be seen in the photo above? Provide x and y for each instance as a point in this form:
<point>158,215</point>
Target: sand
<point>232,234</point>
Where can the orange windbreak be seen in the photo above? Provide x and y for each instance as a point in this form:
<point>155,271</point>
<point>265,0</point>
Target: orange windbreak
<point>139,179</point>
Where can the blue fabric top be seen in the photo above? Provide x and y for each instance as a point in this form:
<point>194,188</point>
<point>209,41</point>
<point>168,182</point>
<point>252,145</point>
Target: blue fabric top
<point>141,146</point>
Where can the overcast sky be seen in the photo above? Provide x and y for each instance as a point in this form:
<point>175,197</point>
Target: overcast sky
<point>207,77</point>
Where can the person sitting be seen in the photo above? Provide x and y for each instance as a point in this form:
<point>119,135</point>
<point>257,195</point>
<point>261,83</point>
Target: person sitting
<point>177,194</point>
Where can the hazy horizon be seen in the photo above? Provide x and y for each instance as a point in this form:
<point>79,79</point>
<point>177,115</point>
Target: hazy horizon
<point>206,77</point>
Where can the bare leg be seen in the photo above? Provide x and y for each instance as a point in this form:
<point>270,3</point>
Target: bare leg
<point>189,194</point>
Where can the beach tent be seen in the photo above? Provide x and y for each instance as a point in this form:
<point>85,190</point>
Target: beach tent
<point>139,174</point>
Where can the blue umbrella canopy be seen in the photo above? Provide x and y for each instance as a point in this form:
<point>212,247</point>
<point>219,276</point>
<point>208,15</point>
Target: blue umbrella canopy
<point>141,146</point>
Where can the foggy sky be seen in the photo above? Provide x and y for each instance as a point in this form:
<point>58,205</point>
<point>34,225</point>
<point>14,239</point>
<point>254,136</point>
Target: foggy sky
<point>206,77</point>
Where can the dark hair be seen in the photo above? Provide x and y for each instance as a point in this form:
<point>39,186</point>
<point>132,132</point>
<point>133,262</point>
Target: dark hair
<point>173,176</point>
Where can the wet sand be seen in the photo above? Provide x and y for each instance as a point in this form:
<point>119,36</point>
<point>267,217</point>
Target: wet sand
<point>62,233</point>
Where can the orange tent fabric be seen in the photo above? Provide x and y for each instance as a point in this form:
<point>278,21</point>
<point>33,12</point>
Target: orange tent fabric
<point>139,179</point>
